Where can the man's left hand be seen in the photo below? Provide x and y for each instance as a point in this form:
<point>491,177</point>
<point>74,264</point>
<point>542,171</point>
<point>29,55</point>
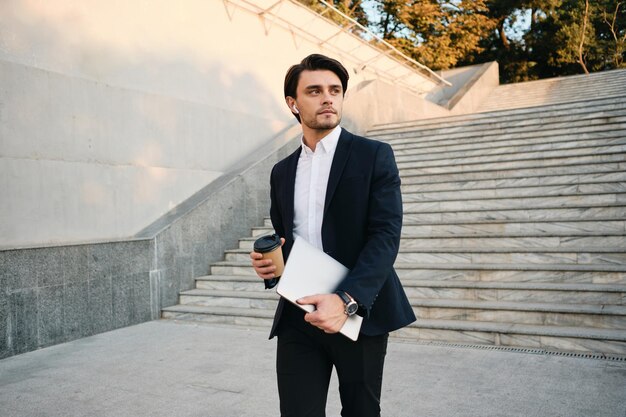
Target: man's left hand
<point>329,314</point>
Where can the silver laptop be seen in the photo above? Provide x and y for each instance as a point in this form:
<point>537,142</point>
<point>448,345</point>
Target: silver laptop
<point>310,271</point>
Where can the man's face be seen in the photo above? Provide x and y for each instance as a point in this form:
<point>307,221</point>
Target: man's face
<point>319,99</point>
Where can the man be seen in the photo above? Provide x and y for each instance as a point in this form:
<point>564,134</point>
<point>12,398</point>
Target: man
<point>341,193</point>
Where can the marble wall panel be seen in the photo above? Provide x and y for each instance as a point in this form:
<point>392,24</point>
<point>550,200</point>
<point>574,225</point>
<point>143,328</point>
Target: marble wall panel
<point>142,297</point>
<point>48,267</point>
<point>123,307</point>
<point>18,269</point>
<point>23,320</point>
<point>5,317</point>
<point>50,304</point>
<point>101,303</point>
<point>76,307</point>
<point>75,263</point>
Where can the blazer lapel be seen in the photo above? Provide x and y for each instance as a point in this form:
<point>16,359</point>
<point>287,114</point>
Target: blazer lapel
<point>290,185</point>
<point>339,162</point>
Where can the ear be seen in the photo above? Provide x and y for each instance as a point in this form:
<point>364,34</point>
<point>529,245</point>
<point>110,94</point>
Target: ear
<point>291,103</point>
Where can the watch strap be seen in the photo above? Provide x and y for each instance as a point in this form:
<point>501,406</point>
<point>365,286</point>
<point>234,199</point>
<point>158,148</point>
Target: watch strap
<point>344,297</point>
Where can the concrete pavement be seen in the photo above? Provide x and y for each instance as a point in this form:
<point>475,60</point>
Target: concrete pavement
<point>166,368</point>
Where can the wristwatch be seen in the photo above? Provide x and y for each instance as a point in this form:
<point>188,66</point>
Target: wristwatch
<point>351,306</point>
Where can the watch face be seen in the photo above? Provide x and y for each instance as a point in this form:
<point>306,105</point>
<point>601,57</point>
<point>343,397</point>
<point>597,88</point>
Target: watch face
<point>352,308</point>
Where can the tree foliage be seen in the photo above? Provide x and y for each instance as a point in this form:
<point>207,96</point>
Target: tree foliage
<point>435,32</point>
<point>529,38</point>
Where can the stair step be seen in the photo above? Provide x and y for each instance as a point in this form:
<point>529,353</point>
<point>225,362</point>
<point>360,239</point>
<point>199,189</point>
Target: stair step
<point>562,163</point>
<point>568,240</point>
<point>570,230</point>
<point>560,154</point>
<point>594,242</point>
<point>573,211</point>
<point>506,203</point>
<point>498,132</point>
<point>411,184</point>
<point>472,290</point>
<point>478,254</point>
<point>610,260</point>
<point>229,282</point>
<point>510,226</point>
<point>562,338</point>
<point>549,314</point>
<point>513,272</point>
<point>523,202</point>
<point>446,138</point>
<point>224,298</point>
<point>262,231</point>
<point>526,113</point>
<point>505,148</point>
<point>559,221</point>
<point>515,192</point>
<point>535,228</point>
<point>507,145</point>
<point>247,317</point>
<point>517,292</point>
<point>600,168</point>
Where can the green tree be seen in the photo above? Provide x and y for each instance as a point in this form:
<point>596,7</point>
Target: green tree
<point>437,33</point>
<point>563,37</point>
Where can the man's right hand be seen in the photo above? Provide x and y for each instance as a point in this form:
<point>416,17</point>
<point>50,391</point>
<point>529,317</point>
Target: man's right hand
<point>264,268</point>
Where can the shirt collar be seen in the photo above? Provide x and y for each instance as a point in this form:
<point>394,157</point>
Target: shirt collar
<point>328,144</point>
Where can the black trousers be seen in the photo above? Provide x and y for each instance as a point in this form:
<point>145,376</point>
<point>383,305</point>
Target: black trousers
<point>304,361</point>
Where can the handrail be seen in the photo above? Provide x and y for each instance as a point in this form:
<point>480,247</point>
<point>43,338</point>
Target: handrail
<point>384,42</point>
<point>382,49</point>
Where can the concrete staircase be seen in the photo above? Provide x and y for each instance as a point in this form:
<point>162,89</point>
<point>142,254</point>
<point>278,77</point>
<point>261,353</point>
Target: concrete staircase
<point>514,231</point>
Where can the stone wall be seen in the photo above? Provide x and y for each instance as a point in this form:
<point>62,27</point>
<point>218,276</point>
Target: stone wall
<point>55,294</point>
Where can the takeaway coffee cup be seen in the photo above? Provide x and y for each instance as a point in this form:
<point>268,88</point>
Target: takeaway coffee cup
<point>270,247</point>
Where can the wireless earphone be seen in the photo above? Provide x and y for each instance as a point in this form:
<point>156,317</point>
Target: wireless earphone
<point>295,109</point>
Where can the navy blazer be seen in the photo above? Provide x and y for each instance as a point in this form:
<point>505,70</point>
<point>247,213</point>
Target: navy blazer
<point>360,228</point>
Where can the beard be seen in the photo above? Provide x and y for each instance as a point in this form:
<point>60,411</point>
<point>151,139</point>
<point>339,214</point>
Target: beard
<point>325,124</point>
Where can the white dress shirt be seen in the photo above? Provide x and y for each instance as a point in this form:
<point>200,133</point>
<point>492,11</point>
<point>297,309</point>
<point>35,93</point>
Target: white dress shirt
<point>310,189</point>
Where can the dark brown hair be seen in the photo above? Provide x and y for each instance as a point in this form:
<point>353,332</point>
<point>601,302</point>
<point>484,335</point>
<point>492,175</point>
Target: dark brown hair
<point>314,62</point>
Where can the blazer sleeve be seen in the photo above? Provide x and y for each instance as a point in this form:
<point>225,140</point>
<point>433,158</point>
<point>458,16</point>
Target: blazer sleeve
<point>384,225</point>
